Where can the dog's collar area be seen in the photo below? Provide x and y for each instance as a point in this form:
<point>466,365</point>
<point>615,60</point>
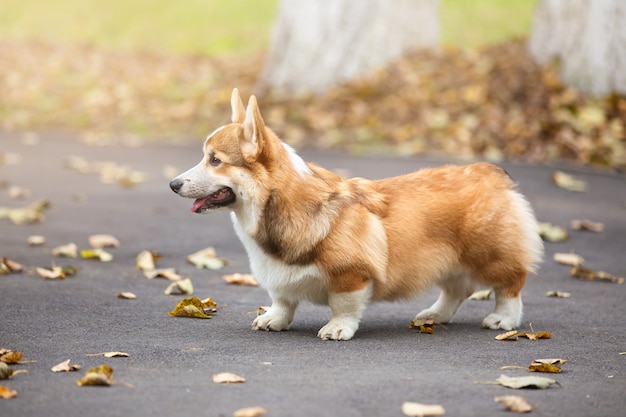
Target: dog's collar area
<point>221,198</point>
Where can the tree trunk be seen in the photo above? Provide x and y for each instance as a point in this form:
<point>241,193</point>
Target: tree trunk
<point>317,44</point>
<point>588,38</point>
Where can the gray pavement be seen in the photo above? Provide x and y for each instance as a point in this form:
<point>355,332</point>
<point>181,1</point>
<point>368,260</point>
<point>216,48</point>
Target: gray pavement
<point>290,373</point>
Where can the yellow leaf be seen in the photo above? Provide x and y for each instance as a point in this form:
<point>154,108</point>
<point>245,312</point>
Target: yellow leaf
<point>569,182</point>
<point>167,273</point>
<point>146,260</point>
<point>184,286</point>
<point>590,275</point>
<point>98,376</point>
<point>10,356</point>
<point>99,254</point>
<point>69,250</point>
<point>193,308</point>
<point>206,258</point>
<point>510,335</point>
<point>480,295</point>
<point>547,365</point>
<point>7,393</point>
<point>103,241</point>
<point>558,294</point>
<point>250,412</point>
<point>427,326</point>
<point>126,295</point>
<point>568,259</point>
<point>552,233</point>
<point>526,382</point>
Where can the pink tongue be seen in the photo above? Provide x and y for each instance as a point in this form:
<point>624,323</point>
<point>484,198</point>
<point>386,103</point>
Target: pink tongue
<point>198,204</point>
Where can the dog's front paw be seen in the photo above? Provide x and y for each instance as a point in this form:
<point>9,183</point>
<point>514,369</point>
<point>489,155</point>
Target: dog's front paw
<point>271,320</point>
<point>338,329</point>
<point>433,314</point>
<point>500,322</point>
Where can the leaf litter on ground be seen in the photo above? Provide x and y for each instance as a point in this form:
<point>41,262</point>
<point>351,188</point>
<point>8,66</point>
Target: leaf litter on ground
<point>569,182</point>
<point>6,372</point>
<point>206,258</point>
<point>522,382</point>
<point>552,233</point>
<point>587,225</point>
<point>56,272</point>
<point>8,266</point>
<point>184,286</point>
<point>65,367</point>
<point>227,378</point>
<point>514,403</point>
<point>32,213</point>
<point>586,274</point>
<point>7,393</point>
<point>194,308</point>
<point>414,409</point>
<point>570,259</point>
<point>241,279</point>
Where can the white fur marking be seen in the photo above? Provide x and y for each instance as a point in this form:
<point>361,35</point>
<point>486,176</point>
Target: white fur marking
<point>347,310</point>
<point>298,163</point>
<point>507,315</point>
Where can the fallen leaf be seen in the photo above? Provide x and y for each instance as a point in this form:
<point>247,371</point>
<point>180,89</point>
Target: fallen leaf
<point>227,378</point>
<point>532,335</point>
<point>480,295</point>
<point>8,266</point>
<point>569,182</point>
<point>422,410</point>
<point>552,233</point>
<point>36,240</point>
<point>427,326</point>
<point>97,254</point>
<point>32,213</point>
<point>167,273</point>
<point>587,225</point>
<point>112,354</point>
<point>570,259</point>
<point>241,279</point>
<point>514,403</point>
<point>56,272</point>
<point>69,250</point>
<point>206,258</point>
<point>250,412</point>
<point>146,260</point>
<point>10,356</point>
<point>184,286</point>
<point>65,367</point>
<point>558,294</point>
<point>103,241</point>
<point>193,308</point>
<point>510,335</point>
<point>591,275</point>
<point>6,372</point>
<point>19,193</point>
<point>6,393</point>
<point>547,365</point>
<point>538,382</point>
<point>126,295</point>
<point>98,376</point>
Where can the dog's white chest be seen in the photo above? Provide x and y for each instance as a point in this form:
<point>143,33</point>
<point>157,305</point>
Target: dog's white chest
<point>292,282</point>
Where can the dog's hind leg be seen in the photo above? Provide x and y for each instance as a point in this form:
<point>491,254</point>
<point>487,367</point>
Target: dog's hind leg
<point>347,310</point>
<point>454,290</point>
<point>278,317</point>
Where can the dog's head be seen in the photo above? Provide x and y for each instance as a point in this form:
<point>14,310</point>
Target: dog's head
<point>237,158</point>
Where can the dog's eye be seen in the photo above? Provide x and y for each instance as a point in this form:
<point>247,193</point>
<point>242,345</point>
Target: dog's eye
<point>214,161</point>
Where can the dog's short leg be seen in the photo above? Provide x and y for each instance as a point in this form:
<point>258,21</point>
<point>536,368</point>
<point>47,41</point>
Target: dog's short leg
<point>278,317</point>
<point>507,314</point>
<point>454,290</point>
<point>347,309</point>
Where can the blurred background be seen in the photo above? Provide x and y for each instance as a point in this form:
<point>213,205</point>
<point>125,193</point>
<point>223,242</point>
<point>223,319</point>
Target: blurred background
<point>496,79</point>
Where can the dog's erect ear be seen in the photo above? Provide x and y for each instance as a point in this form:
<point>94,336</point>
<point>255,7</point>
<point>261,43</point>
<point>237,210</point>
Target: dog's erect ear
<point>253,130</point>
<point>239,111</point>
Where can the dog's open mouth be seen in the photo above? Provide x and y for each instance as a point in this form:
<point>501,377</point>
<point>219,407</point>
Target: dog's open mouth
<point>220,198</point>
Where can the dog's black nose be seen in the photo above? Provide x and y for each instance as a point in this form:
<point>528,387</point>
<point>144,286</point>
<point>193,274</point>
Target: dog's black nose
<point>175,184</point>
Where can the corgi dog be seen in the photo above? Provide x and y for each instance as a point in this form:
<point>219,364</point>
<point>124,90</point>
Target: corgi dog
<point>314,236</point>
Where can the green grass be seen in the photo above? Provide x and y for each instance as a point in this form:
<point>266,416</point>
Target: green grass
<point>222,26</point>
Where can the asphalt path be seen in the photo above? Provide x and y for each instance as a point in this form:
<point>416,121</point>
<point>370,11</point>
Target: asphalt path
<point>171,360</point>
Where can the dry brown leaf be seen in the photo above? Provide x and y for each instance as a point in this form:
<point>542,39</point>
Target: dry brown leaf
<point>250,412</point>
<point>587,225</point>
<point>510,335</point>
<point>514,403</point>
<point>184,286</point>
<point>570,259</point>
<point>167,273</point>
<point>591,275</point>
<point>8,266</point>
<point>558,294</point>
<point>194,308</point>
<point>569,182</point>
<point>427,326</point>
<point>413,409</point>
<point>146,260</point>
<point>10,356</point>
<point>126,295</point>
<point>227,378</point>
<point>103,241</point>
<point>241,279</point>
<point>6,393</point>
<point>6,372</point>
<point>206,258</point>
<point>69,250</point>
<point>98,376</point>
<point>552,233</point>
<point>56,272</point>
<point>65,367</point>
<point>36,240</point>
<point>538,382</point>
<point>532,335</point>
<point>547,365</point>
